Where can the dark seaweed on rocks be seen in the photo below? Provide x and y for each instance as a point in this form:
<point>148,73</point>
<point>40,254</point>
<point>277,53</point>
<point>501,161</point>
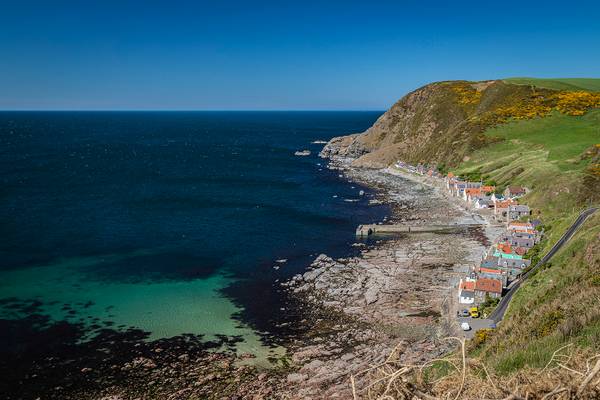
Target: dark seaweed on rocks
<point>54,360</point>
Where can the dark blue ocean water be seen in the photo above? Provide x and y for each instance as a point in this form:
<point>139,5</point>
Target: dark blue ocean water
<point>112,209</point>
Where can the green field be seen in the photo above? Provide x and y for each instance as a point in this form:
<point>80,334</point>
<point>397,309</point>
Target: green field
<point>543,154</point>
<point>592,84</point>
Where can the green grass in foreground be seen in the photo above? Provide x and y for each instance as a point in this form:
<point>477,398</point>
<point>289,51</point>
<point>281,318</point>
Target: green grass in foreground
<point>592,84</point>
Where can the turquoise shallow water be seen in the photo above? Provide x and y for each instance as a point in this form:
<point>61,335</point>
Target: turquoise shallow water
<point>163,308</point>
<point>169,222</point>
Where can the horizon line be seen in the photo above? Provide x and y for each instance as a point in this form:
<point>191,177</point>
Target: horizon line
<point>191,110</point>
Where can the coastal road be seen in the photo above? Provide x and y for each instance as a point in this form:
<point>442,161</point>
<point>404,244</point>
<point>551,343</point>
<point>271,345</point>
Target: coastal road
<point>501,308</point>
<point>476,324</point>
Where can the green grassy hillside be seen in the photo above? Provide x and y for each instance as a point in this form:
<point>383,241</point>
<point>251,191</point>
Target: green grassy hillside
<point>592,84</point>
<point>558,158</point>
<point>445,122</point>
<point>547,155</point>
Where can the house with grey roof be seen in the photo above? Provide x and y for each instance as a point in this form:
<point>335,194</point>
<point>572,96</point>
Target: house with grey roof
<point>518,263</point>
<point>483,202</point>
<point>516,211</point>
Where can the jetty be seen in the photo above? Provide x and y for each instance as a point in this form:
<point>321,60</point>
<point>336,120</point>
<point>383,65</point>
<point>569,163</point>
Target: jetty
<point>372,229</point>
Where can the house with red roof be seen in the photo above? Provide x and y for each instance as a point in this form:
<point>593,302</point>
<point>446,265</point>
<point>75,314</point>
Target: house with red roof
<point>520,251</point>
<point>501,209</point>
<point>471,193</point>
<point>504,247</point>
<point>487,189</point>
<point>466,291</point>
<point>521,226</point>
<point>493,273</point>
<point>486,286</point>
<point>515,191</point>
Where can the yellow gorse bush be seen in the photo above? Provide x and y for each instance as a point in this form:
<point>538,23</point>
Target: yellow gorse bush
<point>576,103</point>
<point>536,105</point>
<point>466,93</point>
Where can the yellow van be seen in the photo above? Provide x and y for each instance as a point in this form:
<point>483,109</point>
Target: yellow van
<point>474,311</point>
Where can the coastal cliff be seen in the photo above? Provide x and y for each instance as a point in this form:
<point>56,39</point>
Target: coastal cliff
<point>444,122</point>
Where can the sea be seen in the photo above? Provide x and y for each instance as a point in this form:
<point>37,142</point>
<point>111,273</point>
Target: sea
<point>168,222</point>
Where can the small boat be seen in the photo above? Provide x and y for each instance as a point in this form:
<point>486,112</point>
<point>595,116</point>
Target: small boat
<point>302,153</point>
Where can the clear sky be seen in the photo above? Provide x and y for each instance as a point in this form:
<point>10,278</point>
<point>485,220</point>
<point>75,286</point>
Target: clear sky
<point>330,55</point>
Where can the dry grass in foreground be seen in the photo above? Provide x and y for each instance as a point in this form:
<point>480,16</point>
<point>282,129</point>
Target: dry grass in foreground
<point>570,374</point>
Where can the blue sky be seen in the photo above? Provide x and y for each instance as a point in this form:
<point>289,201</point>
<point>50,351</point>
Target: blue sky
<point>325,55</point>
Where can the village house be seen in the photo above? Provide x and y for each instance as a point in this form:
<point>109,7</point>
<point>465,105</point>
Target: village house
<point>487,189</point>
<point>509,268</point>
<point>458,188</point>
<point>516,241</point>
<point>449,178</point>
<point>503,255</point>
<point>483,203</point>
<point>474,185</point>
<point>517,226</point>
<point>450,182</point>
<point>501,209</point>
<point>526,234</point>
<point>466,292</point>
<point>512,263</point>
<point>516,211</point>
<point>493,273</point>
<point>490,287</point>
<point>519,233</point>
<point>470,193</point>
<point>489,262</point>
<point>520,250</point>
<point>514,191</point>
<point>503,247</point>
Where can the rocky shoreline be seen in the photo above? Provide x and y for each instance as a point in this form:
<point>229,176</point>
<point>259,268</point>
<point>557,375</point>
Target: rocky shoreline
<point>396,294</point>
<point>118,365</point>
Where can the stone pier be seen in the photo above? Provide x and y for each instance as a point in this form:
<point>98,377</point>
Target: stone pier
<point>367,230</point>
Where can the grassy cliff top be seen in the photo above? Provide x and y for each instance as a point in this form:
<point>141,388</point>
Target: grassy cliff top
<point>590,84</point>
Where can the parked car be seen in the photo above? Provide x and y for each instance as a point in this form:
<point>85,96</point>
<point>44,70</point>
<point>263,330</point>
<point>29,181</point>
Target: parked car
<point>464,313</point>
<point>465,326</point>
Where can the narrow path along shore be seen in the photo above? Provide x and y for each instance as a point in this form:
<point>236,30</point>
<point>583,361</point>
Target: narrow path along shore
<point>399,291</point>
